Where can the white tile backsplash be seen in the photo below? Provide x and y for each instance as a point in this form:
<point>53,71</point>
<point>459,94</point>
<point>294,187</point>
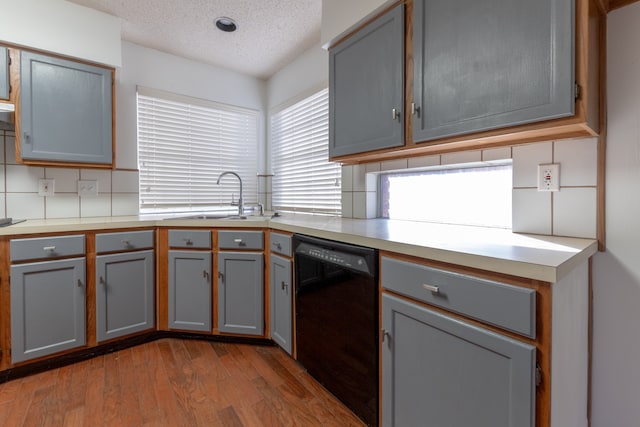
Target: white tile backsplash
<point>124,204</point>
<point>359,176</point>
<point>102,176</point>
<point>62,206</point>
<point>3,208</point>
<point>10,150</point>
<point>461,157</point>
<point>578,159</point>
<point>124,182</point>
<point>23,179</point>
<point>66,180</point>
<point>347,204</point>
<point>360,204</point>
<point>526,159</point>
<point>347,178</point>
<point>423,161</point>
<point>493,154</point>
<point>95,206</point>
<point>391,165</point>
<point>25,205</point>
<point>531,211</point>
<point>574,212</point>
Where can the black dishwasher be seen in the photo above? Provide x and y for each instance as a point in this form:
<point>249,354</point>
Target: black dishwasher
<point>337,320</point>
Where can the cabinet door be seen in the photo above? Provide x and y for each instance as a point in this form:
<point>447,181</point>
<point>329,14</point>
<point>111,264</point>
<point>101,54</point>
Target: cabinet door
<point>124,294</point>
<point>486,64</point>
<point>47,308</point>
<point>4,73</point>
<point>190,290</point>
<point>366,81</point>
<point>281,302</point>
<point>450,373</point>
<point>241,293</point>
<point>65,111</point>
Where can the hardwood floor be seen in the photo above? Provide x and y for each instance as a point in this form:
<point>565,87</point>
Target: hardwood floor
<point>172,382</point>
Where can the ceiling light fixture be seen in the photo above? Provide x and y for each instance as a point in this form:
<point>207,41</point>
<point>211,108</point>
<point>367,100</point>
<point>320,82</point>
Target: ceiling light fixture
<point>225,24</point>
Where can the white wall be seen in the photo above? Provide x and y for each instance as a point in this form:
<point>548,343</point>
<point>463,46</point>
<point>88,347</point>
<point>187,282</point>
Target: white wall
<point>61,27</point>
<point>339,15</point>
<point>158,70</point>
<point>616,355</point>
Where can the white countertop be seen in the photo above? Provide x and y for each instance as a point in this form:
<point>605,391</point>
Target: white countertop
<point>537,257</point>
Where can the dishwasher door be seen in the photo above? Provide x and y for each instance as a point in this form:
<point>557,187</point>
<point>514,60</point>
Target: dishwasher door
<point>337,321</point>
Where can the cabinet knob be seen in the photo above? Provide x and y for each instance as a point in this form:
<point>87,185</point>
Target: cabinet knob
<point>221,276</point>
<point>384,333</point>
<point>49,248</point>
<point>415,109</point>
<point>101,280</point>
<point>79,283</point>
<point>395,114</point>
<point>278,246</point>
<point>27,137</point>
<point>283,285</point>
<point>205,274</point>
<point>126,242</point>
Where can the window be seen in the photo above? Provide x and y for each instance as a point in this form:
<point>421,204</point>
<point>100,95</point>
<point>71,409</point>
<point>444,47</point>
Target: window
<point>183,146</point>
<point>304,180</point>
<point>475,195</point>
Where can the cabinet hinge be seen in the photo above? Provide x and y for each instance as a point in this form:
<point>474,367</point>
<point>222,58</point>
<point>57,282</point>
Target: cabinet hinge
<point>577,91</point>
<point>538,375</point>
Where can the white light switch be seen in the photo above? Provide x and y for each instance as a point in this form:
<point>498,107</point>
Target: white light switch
<point>87,187</point>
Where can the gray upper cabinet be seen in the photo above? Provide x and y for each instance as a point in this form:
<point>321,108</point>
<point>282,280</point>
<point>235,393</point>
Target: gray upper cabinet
<point>124,294</point>
<point>65,111</point>
<point>47,308</point>
<point>4,73</point>
<point>366,83</point>
<point>281,302</point>
<point>439,369</point>
<point>190,290</point>
<point>241,293</point>
<point>487,64</point>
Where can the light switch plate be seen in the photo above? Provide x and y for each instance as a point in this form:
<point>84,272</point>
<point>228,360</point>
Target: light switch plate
<point>549,177</point>
<point>87,187</point>
<point>46,187</point>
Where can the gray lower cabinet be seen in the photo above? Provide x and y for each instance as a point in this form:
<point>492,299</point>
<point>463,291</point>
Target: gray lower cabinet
<point>4,73</point>
<point>487,64</point>
<point>47,308</point>
<point>124,294</point>
<point>65,110</point>
<point>241,293</point>
<point>366,84</point>
<point>190,290</point>
<point>440,371</point>
<point>281,301</point>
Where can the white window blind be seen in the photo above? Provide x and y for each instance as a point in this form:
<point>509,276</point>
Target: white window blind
<point>185,143</point>
<point>304,180</point>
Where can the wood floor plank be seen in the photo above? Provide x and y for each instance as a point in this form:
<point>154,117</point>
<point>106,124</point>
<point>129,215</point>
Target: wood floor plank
<point>173,382</point>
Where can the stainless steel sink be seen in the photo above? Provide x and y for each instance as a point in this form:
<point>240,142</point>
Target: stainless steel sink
<point>210,216</point>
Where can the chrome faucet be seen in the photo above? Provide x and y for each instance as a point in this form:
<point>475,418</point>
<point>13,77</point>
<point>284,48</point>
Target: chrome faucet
<point>240,201</point>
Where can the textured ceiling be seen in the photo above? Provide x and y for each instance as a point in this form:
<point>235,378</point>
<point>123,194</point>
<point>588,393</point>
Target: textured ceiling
<point>270,33</point>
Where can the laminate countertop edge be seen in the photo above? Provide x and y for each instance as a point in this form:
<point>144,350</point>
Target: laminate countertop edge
<point>537,257</point>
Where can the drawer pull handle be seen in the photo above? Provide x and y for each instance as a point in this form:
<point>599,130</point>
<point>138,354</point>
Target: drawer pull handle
<point>283,285</point>
<point>187,241</point>
<point>432,288</point>
<point>205,274</point>
<point>237,240</point>
<point>101,280</point>
<point>278,246</point>
<point>384,333</point>
<point>49,248</point>
<point>126,242</point>
<point>79,283</point>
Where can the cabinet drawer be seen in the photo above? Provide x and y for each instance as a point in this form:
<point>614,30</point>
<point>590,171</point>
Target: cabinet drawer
<point>46,247</point>
<point>125,241</point>
<point>190,239</point>
<point>240,239</point>
<point>280,244</point>
<point>509,307</point>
